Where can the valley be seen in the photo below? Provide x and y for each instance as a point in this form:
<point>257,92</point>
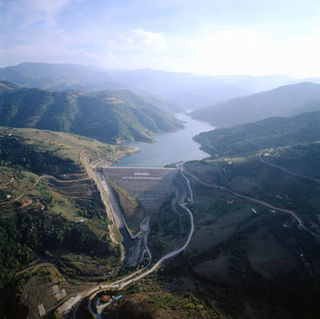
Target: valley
<point>159,159</point>
<point>255,198</point>
<point>156,229</point>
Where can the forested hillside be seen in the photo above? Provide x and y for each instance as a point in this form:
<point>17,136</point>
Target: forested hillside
<point>255,137</point>
<point>110,116</point>
<point>51,211</point>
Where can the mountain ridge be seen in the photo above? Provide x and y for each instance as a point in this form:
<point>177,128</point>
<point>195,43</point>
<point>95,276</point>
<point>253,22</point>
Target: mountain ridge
<point>283,101</point>
<point>184,90</point>
<point>110,116</point>
<point>255,137</point>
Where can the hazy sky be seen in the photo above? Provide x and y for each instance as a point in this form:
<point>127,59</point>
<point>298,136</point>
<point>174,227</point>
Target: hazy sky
<point>199,36</point>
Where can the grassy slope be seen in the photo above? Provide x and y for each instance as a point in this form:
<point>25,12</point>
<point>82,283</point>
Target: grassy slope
<point>67,145</point>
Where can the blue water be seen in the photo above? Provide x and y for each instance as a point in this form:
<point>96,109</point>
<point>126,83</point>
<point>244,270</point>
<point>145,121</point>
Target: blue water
<point>170,147</point>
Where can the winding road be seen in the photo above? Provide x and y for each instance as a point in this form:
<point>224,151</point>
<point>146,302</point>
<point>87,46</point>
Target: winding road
<point>140,274</point>
<point>287,171</point>
<point>257,201</point>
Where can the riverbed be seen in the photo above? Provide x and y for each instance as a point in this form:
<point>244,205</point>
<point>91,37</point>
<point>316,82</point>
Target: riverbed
<point>170,147</point>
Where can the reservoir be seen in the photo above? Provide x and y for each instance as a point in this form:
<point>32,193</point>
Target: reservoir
<point>170,147</point>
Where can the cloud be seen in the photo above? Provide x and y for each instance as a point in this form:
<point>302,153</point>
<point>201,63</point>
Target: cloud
<point>241,50</point>
<point>148,39</point>
<point>25,13</point>
<point>176,35</point>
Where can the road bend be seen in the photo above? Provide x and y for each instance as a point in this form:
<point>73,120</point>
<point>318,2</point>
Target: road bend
<point>140,274</point>
<point>257,201</point>
<point>259,157</point>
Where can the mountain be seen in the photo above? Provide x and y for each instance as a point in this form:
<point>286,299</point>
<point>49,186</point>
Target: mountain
<point>185,91</point>
<point>255,137</point>
<point>59,76</point>
<point>113,115</point>
<point>283,101</point>
<point>254,84</point>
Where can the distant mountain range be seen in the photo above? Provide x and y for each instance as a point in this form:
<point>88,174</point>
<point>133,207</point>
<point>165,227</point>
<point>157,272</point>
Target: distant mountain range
<point>283,101</point>
<point>112,116</point>
<point>183,90</point>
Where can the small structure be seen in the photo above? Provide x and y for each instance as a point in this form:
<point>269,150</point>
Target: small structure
<point>285,225</point>
<point>116,298</point>
<point>253,210</point>
<point>105,298</point>
<point>41,310</point>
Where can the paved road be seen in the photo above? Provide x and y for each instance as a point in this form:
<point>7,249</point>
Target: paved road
<point>187,180</point>
<point>287,171</point>
<point>256,201</point>
<point>12,200</point>
<point>61,180</point>
<point>122,283</point>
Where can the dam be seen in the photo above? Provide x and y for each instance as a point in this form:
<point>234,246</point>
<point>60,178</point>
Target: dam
<point>150,187</point>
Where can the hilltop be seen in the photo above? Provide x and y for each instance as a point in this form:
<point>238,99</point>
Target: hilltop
<point>112,116</point>
<point>283,101</point>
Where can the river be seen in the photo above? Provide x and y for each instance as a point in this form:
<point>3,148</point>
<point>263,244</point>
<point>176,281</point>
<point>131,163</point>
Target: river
<point>170,147</point>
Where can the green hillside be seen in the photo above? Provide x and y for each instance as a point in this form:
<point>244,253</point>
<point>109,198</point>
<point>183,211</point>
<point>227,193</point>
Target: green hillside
<point>247,254</point>
<point>255,249</point>
<point>262,135</point>
<point>248,257</point>
<point>52,216</point>
<point>283,101</point>
<point>109,116</point>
